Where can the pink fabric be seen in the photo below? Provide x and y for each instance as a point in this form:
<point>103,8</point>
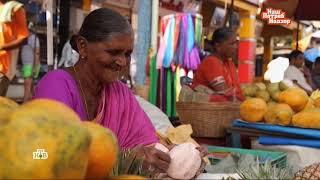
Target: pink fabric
<point>119,105</point>
<point>118,109</point>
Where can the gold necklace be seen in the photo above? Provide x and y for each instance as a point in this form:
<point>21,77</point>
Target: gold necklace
<point>82,92</point>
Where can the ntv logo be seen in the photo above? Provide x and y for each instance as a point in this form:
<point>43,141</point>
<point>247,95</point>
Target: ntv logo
<point>40,154</point>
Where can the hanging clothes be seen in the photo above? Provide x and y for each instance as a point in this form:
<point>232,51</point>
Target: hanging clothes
<point>153,81</point>
<point>179,47</point>
<point>169,50</point>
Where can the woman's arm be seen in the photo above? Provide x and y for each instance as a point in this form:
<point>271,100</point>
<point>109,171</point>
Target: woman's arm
<point>13,44</point>
<point>219,88</point>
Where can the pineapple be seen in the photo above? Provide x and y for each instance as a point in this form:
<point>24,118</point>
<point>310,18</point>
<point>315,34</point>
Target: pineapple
<point>265,171</point>
<point>309,172</point>
<point>129,163</point>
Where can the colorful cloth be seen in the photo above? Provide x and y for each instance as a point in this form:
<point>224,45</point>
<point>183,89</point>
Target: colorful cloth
<point>213,71</point>
<point>13,26</point>
<point>118,108</point>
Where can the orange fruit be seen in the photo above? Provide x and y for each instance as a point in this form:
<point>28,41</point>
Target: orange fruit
<point>253,110</point>
<point>103,151</point>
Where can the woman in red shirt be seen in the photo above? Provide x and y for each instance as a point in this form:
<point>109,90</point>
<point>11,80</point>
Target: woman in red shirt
<point>218,71</point>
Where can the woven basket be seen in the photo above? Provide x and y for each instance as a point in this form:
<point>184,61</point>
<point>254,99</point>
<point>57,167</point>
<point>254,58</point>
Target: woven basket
<point>208,119</point>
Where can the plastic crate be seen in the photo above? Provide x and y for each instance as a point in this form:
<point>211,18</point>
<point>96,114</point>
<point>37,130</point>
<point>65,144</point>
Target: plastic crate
<point>278,159</point>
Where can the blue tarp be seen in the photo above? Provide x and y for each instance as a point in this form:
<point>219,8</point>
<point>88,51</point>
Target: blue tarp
<point>268,140</point>
<point>307,133</point>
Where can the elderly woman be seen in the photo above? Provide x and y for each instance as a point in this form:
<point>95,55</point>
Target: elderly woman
<point>218,71</point>
<point>92,89</point>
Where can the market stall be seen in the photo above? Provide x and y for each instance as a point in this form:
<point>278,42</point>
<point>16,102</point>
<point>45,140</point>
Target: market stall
<point>46,139</point>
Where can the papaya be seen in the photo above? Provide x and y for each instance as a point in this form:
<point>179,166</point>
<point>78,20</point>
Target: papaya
<point>44,139</point>
<point>271,103</point>
<point>285,84</point>
<point>250,90</point>
<point>309,105</point>
<point>253,110</point>
<point>317,102</point>
<point>296,98</point>
<point>275,95</point>
<point>103,151</point>
<point>273,87</point>
<point>280,114</point>
<point>263,94</point>
<point>7,106</point>
<point>261,86</point>
<point>307,119</point>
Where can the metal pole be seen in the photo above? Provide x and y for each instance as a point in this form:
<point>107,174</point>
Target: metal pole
<point>49,33</point>
<point>297,35</point>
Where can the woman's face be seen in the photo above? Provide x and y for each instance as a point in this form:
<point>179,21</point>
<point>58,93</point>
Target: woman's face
<point>228,48</point>
<point>108,59</point>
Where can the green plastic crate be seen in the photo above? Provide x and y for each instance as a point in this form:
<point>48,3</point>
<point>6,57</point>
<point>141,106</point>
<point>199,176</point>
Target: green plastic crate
<point>278,159</point>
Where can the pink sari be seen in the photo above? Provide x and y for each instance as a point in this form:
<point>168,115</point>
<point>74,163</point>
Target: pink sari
<point>120,112</point>
<point>118,109</point>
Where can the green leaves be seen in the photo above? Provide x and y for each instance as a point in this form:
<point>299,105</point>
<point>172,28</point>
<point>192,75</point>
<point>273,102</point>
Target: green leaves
<point>264,171</point>
<point>130,163</point>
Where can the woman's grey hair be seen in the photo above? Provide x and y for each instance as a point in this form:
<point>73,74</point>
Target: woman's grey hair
<point>101,24</point>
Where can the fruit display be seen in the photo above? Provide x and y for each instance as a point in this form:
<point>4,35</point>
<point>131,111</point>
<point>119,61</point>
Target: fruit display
<point>6,107</point>
<point>46,139</point>
<point>296,98</point>
<point>280,104</point>
<point>269,92</point>
<point>279,114</point>
<point>253,109</point>
<point>307,119</point>
<point>103,151</point>
<point>315,94</point>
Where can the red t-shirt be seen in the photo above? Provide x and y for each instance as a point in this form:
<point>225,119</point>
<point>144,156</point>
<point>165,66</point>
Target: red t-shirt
<point>213,71</point>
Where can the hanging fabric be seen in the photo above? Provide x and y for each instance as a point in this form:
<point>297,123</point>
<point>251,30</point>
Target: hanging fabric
<point>153,81</point>
<point>180,42</point>
<point>168,56</point>
<point>198,30</point>
<point>163,43</point>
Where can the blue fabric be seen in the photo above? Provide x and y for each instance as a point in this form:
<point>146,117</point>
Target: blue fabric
<point>268,140</point>
<point>190,33</point>
<point>168,55</point>
<point>307,133</point>
<point>312,54</point>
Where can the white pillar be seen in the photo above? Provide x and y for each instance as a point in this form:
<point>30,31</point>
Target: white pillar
<point>154,24</point>
<point>49,18</point>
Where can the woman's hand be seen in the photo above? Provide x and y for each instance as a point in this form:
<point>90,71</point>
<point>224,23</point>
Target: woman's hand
<point>203,151</point>
<point>156,159</point>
